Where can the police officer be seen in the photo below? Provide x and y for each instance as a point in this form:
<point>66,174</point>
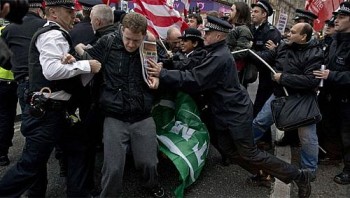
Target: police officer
<point>336,90</point>
<point>44,120</point>
<point>18,38</point>
<point>304,16</point>
<point>262,32</point>
<point>8,105</point>
<point>229,106</point>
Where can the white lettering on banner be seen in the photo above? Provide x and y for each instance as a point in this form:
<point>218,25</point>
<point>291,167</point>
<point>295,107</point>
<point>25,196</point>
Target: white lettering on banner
<point>199,153</point>
<point>316,6</point>
<point>186,132</point>
<point>176,5</point>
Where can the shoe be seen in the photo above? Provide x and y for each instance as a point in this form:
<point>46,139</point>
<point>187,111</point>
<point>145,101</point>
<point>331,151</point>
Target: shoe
<point>4,160</point>
<point>304,183</point>
<point>261,179</point>
<point>342,178</point>
<point>157,191</point>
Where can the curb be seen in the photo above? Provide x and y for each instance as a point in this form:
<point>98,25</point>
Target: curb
<point>284,153</point>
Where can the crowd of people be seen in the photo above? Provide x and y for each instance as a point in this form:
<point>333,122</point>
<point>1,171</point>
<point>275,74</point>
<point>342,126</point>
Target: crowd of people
<point>81,87</point>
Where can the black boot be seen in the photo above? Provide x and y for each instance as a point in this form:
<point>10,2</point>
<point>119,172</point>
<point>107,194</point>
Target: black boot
<point>261,179</point>
<point>342,178</point>
<point>303,182</point>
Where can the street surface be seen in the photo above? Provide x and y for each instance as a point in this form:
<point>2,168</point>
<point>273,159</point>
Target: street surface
<point>216,180</point>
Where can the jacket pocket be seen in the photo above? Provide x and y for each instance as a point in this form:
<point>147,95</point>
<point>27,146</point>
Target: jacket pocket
<point>111,100</point>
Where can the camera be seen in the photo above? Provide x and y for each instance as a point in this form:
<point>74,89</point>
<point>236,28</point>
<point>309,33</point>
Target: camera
<point>18,9</point>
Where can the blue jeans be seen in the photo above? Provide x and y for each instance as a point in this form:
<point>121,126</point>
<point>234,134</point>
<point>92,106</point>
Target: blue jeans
<point>307,135</point>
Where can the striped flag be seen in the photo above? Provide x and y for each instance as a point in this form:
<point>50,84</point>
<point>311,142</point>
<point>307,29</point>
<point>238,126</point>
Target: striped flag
<point>187,6</point>
<point>160,16</point>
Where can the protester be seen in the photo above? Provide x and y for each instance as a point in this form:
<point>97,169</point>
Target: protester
<point>229,106</point>
<point>295,60</point>
<point>44,120</point>
<point>301,16</point>
<point>194,20</point>
<point>335,92</point>
<point>240,37</point>
<point>126,100</point>
<point>82,32</point>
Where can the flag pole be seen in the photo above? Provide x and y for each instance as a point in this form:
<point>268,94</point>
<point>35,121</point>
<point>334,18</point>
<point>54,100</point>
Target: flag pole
<point>162,44</point>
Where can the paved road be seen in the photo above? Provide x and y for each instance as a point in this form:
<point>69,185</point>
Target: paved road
<point>215,181</point>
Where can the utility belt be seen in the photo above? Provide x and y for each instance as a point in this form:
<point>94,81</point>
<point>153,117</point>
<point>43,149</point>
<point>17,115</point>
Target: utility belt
<point>23,80</point>
<point>39,104</point>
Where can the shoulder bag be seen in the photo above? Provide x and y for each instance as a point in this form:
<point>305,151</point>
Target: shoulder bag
<point>294,111</point>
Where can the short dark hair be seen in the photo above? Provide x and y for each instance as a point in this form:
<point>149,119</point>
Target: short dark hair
<point>197,17</point>
<point>307,29</point>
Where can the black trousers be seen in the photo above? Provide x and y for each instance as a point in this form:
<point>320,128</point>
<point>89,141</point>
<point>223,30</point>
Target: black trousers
<point>8,106</point>
<point>335,127</point>
<point>30,172</point>
<point>238,144</point>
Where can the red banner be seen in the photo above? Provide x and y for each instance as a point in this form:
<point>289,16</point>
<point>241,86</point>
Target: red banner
<point>323,9</point>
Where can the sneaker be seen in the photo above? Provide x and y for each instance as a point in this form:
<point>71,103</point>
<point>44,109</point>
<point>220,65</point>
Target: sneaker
<point>342,178</point>
<point>261,179</point>
<point>4,160</point>
<point>157,191</point>
<point>303,183</point>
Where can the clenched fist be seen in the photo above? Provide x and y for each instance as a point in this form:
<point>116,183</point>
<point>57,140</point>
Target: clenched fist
<point>95,66</point>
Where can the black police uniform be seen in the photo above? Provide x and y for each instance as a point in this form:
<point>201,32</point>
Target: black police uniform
<point>229,106</point>
<point>82,32</point>
<point>336,94</point>
<point>261,35</point>
<point>18,38</point>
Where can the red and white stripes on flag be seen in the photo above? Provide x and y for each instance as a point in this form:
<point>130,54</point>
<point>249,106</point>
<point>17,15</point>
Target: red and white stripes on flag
<point>160,16</point>
<point>187,6</point>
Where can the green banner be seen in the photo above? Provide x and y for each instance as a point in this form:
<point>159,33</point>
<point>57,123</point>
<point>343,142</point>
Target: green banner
<point>182,136</point>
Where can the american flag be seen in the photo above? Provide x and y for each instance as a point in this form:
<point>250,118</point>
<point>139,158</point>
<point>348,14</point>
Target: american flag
<point>160,16</point>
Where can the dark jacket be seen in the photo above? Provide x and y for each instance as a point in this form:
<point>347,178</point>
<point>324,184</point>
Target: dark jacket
<point>194,59</point>
<point>296,63</point>
<point>240,37</point>
<point>338,62</point>
<point>216,77</point>
<point>261,35</point>
<point>125,95</point>
<point>105,30</point>
<point>82,32</point>
<point>18,39</point>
